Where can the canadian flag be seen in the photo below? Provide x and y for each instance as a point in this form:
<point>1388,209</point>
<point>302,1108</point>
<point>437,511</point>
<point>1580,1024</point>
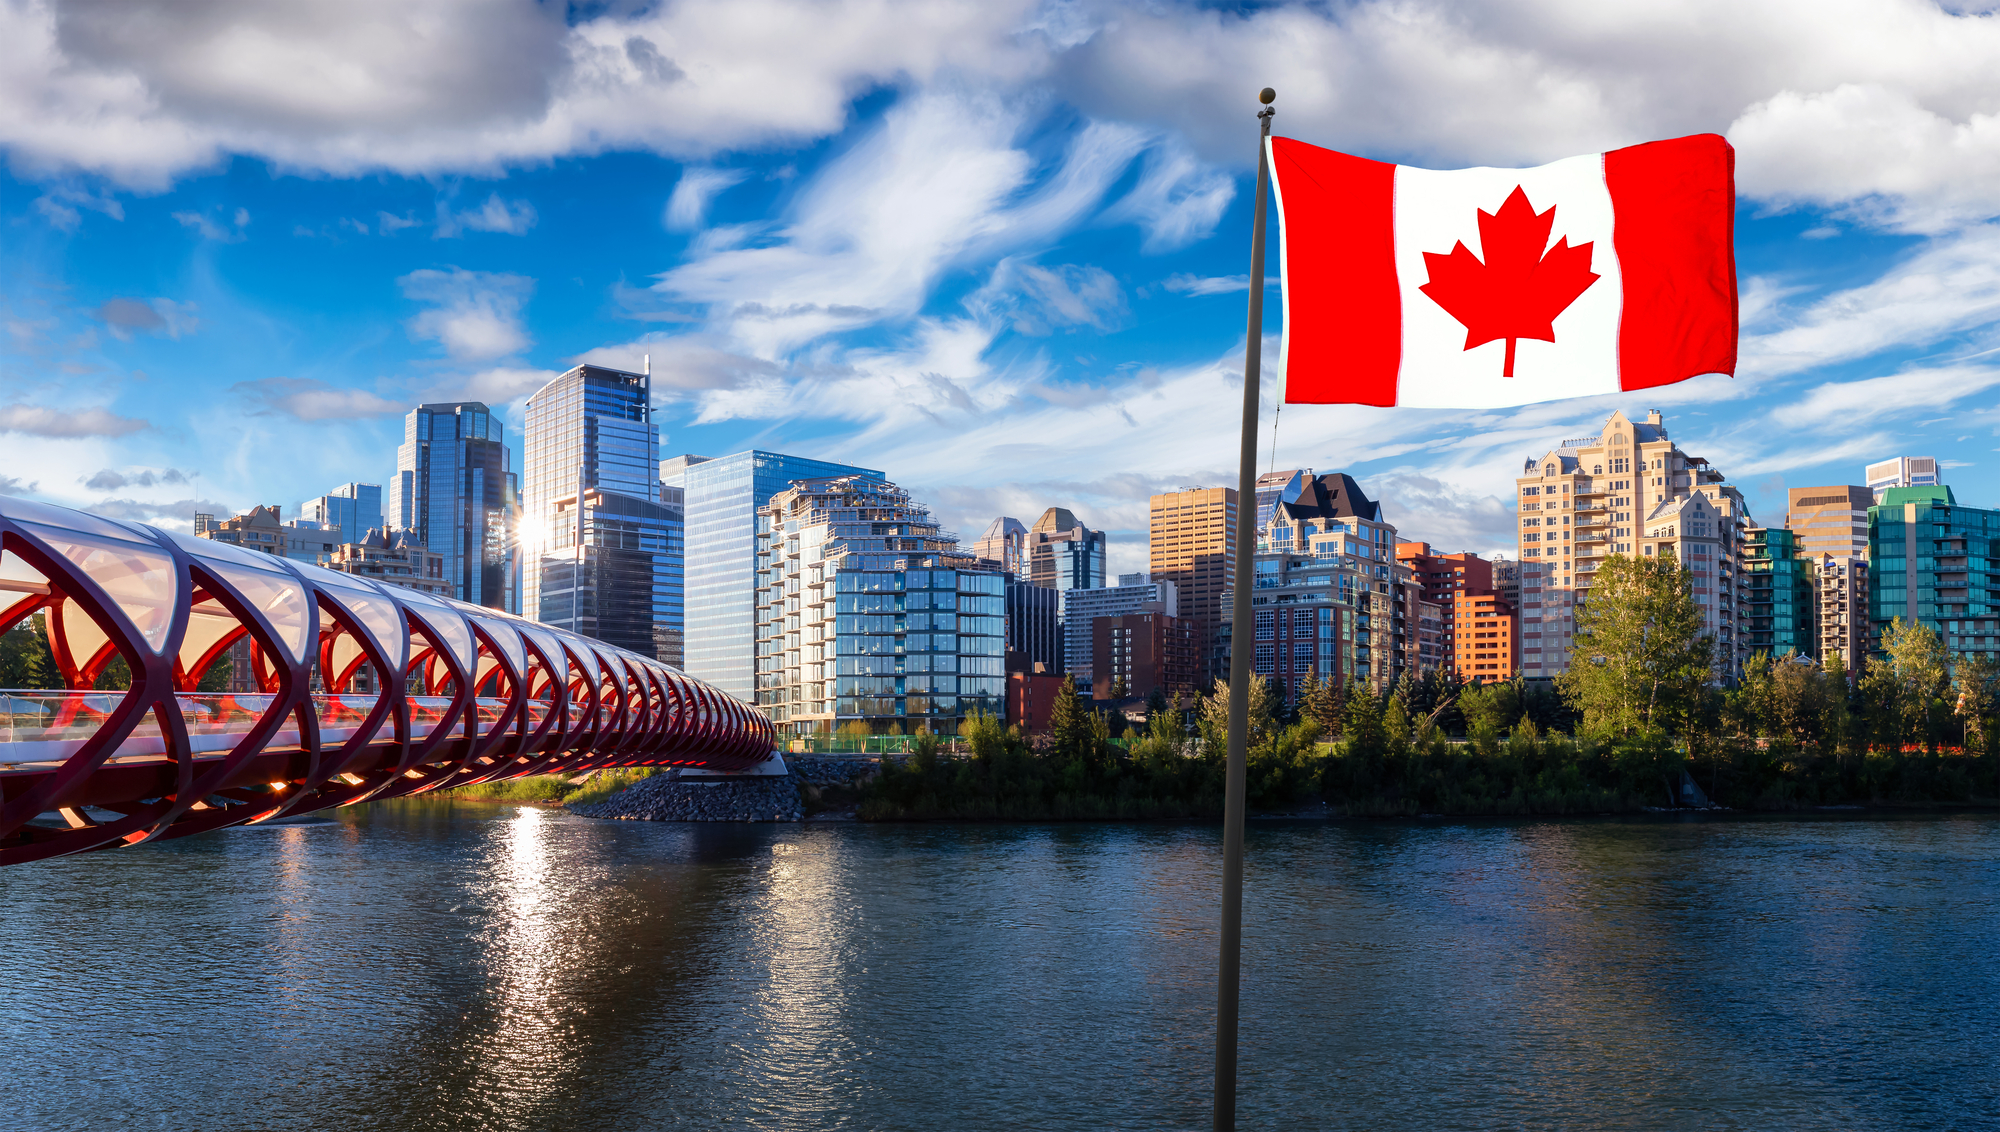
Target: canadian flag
<point>1476,288</point>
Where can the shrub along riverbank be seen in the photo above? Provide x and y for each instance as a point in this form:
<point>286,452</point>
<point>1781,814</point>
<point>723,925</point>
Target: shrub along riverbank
<point>1382,766</point>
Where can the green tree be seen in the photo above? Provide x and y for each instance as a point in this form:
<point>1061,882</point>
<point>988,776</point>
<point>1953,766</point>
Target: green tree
<point>1320,703</point>
<point>1921,670</point>
<point>1215,710</point>
<point>26,660</point>
<point>1640,658</point>
<point>1118,689</point>
<point>1361,722</point>
<point>1069,731</point>
<point>1156,702</point>
<point>1976,679</point>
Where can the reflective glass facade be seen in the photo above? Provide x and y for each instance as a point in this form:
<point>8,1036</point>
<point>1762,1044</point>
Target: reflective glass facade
<point>592,429</point>
<point>867,612</point>
<point>1936,561</point>
<point>723,496</point>
<point>353,509</point>
<point>458,493</point>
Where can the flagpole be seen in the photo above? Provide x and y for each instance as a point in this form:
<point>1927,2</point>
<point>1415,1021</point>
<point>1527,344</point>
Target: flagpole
<point>1229,974</point>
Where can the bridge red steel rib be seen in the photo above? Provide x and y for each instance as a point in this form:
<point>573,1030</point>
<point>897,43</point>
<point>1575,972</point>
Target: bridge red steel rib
<point>98,579</point>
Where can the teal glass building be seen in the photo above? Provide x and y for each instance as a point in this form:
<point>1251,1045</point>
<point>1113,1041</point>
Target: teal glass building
<point>1935,562</point>
<point>1779,612</point>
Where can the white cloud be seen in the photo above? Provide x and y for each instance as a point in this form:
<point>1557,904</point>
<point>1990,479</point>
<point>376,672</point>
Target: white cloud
<point>310,399</point>
<point>476,315</point>
<point>1037,300</point>
<point>1949,286</point>
<point>141,93</point>
<point>1888,109</point>
<point>212,229</point>
<point>38,420</point>
<point>693,193</point>
<point>1178,200</point>
<point>1872,398</point>
<point>513,218</point>
<point>389,224</point>
<point>939,184</point>
<point>1181,283</point>
<point>153,316</point>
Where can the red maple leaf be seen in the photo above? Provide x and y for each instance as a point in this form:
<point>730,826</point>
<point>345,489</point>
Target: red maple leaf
<point>1518,291</point>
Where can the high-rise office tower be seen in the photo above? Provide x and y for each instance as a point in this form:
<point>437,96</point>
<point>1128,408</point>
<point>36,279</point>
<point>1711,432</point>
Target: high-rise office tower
<point>456,490</point>
<point>610,570</point>
<point>1829,520</point>
<point>353,509</point>
<point>724,495</point>
<point>1902,471</point>
<point>1628,490</point>
<point>1063,554</point>
<point>1005,542</point>
<point>1191,541</point>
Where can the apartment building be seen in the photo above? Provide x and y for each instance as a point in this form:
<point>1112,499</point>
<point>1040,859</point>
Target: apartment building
<point>1627,490</point>
<point>1829,520</point>
<point>1935,562</point>
<point>867,612</point>
<point>1489,637</point>
<point>1138,652</point>
<point>1840,608</point>
<point>1780,616</point>
<point>1444,578</point>
<point>1082,608</point>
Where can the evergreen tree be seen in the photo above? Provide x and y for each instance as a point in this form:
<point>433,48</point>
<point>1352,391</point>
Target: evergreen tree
<point>1118,689</point>
<point>1156,702</point>
<point>1361,721</point>
<point>26,660</point>
<point>1215,709</point>
<point>1640,658</point>
<point>1069,731</point>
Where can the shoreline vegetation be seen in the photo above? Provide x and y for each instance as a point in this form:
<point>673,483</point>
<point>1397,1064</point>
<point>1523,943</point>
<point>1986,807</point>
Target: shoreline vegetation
<point>1638,722</point>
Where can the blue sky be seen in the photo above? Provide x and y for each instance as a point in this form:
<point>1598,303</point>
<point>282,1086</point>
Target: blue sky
<point>997,250</point>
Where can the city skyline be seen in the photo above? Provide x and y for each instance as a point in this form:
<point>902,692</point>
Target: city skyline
<point>1051,317</point>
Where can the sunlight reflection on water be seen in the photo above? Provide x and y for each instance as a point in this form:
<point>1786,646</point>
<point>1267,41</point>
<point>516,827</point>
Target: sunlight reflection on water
<point>438,965</point>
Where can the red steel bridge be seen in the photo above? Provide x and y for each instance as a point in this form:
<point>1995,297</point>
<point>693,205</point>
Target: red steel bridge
<point>461,694</point>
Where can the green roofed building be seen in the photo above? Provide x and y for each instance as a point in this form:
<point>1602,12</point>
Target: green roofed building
<point>1779,618</point>
<point>1936,562</point>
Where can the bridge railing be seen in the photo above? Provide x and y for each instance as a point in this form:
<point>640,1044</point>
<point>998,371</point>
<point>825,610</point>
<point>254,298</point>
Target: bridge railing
<point>462,693</point>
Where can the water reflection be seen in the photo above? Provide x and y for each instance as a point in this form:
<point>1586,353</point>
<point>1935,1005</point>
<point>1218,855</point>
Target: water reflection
<point>437,965</point>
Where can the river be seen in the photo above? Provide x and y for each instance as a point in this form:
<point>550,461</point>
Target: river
<point>438,965</point>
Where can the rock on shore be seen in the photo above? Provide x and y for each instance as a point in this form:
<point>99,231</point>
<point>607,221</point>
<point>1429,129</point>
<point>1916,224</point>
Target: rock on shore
<point>668,797</point>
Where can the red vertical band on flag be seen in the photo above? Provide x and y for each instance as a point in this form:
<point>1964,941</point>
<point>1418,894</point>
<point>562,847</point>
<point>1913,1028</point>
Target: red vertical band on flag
<point>1343,308</point>
<point>1674,204</point>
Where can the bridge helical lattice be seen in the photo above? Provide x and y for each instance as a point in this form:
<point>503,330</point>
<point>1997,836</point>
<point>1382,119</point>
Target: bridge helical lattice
<point>460,694</point>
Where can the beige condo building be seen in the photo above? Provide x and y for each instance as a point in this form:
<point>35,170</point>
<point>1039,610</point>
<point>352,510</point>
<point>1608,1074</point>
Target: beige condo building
<point>1627,490</point>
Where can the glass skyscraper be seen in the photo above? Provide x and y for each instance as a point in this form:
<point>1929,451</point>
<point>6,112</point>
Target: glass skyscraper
<point>723,497</point>
<point>592,442</point>
<point>455,489</point>
<point>353,509</point>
